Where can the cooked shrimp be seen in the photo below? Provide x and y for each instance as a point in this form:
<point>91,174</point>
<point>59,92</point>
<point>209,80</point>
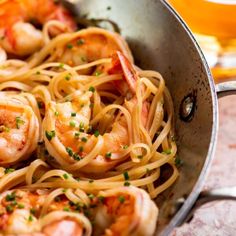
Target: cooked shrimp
<point>92,44</point>
<point>20,214</point>
<point>18,35</point>
<point>126,211</point>
<point>67,137</point>
<point>19,128</point>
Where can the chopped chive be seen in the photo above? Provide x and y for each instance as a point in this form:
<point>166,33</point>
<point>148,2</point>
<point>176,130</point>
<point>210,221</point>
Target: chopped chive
<point>19,122</point>
<point>69,45</point>
<point>81,127</point>
<point>14,203</point>
<point>50,134</point>
<point>73,114</point>
<point>40,105</point>
<point>61,65</point>
<point>92,89</point>
<point>67,77</point>
<point>30,218</point>
<point>125,146</point>
<point>76,157</point>
<point>66,209</point>
<point>84,139</point>
<point>81,148</point>
<point>108,155</point>
<point>20,206</point>
<point>76,134</point>
<point>57,199</point>
<point>11,197</point>
<point>126,183</point>
<point>178,161</point>
<point>65,176</point>
<point>121,199</point>
<point>69,151</point>
<point>91,181</point>
<point>109,8</point>
<point>32,211</point>
<point>126,175</point>
<point>168,151</point>
<point>56,113</point>
<point>96,133</point>
<point>83,59</point>
<point>80,41</point>
<point>9,209</point>
<point>8,170</point>
<point>91,196</point>
<point>97,73</point>
<point>72,123</point>
<point>101,199</point>
<point>64,190</point>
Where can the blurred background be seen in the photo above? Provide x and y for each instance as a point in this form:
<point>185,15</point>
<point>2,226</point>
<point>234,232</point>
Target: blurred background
<point>214,24</point>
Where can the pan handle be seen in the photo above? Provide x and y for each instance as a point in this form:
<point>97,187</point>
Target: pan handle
<point>209,196</point>
<point>226,88</point>
<point>222,89</point>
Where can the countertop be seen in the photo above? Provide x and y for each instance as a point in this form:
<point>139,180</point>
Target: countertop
<point>218,218</point>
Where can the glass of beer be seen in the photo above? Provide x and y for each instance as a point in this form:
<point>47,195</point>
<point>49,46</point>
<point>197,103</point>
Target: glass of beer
<point>214,25</point>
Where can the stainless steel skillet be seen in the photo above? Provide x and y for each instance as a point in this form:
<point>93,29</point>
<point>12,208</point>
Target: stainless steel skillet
<point>160,40</point>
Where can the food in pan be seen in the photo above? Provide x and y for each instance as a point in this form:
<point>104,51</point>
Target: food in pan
<point>86,135</point>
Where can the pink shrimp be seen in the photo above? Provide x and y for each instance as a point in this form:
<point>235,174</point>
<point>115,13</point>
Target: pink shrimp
<point>18,35</point>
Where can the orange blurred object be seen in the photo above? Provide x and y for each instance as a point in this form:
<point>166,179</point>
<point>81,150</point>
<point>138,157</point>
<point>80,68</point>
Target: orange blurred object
<point>214,25</point>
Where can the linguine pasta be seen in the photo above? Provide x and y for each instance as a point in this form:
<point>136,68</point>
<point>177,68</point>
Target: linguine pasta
<point>100,122</point>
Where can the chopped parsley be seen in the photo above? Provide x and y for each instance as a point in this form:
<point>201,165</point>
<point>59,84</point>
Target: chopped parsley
<point>19,122</point>
<point>38,73</point>
<point>81,148</point>
<point>56,113</point>
<point>92,89</point>
<point>73,114</point>
<point>50,134</point>
<point>64,190</point>
<point>33,211</point>
<point>91,196</point>
<point>125,146</point>
<point>126,175</point>
<point>96,133</point>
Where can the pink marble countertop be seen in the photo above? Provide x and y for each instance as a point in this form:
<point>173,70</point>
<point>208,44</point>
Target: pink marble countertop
<point>218,218</point>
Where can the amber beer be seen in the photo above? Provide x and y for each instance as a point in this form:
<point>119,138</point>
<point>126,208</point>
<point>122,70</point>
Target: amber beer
<point>214,25</point>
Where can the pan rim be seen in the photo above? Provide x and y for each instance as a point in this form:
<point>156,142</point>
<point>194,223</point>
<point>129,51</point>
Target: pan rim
<point>181,214</point>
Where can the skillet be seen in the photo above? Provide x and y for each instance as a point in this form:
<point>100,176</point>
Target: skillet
<point>160,40</point>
